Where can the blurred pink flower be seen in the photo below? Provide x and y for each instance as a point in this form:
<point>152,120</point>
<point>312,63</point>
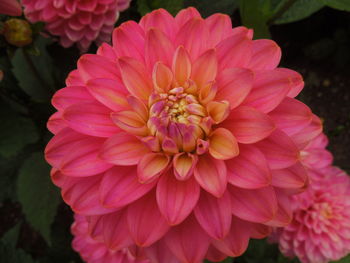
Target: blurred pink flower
<point>183,137</point>
<point>320,230</point>
<point>92,251</point>
<point>76,21</point>
<point>10,7</point>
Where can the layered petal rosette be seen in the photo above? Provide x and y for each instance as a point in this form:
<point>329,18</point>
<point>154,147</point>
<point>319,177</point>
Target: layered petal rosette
<point>76,21</point>
<point>320,230</point>
<point>182,140</point>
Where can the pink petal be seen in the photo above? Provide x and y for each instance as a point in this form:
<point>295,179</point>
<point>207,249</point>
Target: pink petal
<point>184,164</point>
<point>66,97</point>
<point>234,85</point>
<point>129,40</point>
<point>187,241</point>
<point>82,159</point>
<point>214,214</point>
<point>151,166</point>
<point>266,55</point>
<point>279,150</point>
<point>146,232</point>
<point>292,177</point>
<point>10,7</point>
<point>158,48</point>
<point>291,115</point>
<point>176,199</point>
<point>162,77</point>
<point>211,175</point>
<point>295,78</point>
<point>234,52</point>
<point>257,205</point>
<point>249,170</point>
<point>131,122</point>
<point>56,123</point>
<point>284,213</point>
<point>220,27</point>
<point>135,77</point>
<point>249,125</point>
<point>269,89</point>
<point>94,66</point>
<point>115,233</point>
<point>181,65</point>
<point>222,144</point>
<point>90,119</point>
<point>107,51</point>
<point>316,158</point>
<point>123,149</point>
<point>185,15</point>
<point>160,253</point>
<point>236,242</point>
<point>120,187</point>
<point>109,92</point>
<point>205,68</point>
<point>194,37</point>
<point>215,255</point>
<point>259,231</point>
<point>74,79</point>
<point>57,177</point>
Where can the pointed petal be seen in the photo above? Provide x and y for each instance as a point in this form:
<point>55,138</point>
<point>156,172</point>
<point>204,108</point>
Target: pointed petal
<point>236,242</point>
<point>135,77</point>
<point>184,164</point>
<point>187,241</point>
<point>279,150</point>
<point>249,170</point>
<point>162,77</point>
<point>139,107</point>
<point>82,159</point>
<point>266,55</point>
<point>107,51</point>
<point>176,199</point>
<point>259,231</point>
<point>294,177</point>
<point>185,15</point>
<point>220,27</point>
<point>284,213</point>
<point>56,123</point>
<point>234,85</point>
<point>222,144</point>
<point>205,68</point>
<point>218,111</point>
<point>160,253</point>
<point>90,119</point>
<point>123,149</point>
<point>151,166</point>
<point>146,232</point>
<point>214,214</point>
<point>74,79</point>
<point>249,125</point>
<point>181,65</point>
<point>211,175</point>
<point>257,205</point>
<point>120,187</point>
<point>295,78</point>
<point>215,255</point>
<point>109,92</point>
<point>66,97</point>
<point>269,89</point>
<point>131,122</point>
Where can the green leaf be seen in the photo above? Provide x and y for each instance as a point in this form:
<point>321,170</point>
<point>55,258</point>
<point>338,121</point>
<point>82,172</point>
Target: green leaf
<point>343,5</point>
<point>209,7</point>
<point>255,14</point>
<point>11,236</point>
<point>15,133</point>
<point>35,73</point>
<point>9,254</point>
<point>343,260</point>
<point>8,177</point>
<point>146,6</point>
<point>36,193</point>
<point>300,9</point>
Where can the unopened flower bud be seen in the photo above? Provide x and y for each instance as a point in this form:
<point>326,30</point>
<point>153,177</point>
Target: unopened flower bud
<point>17,32</point>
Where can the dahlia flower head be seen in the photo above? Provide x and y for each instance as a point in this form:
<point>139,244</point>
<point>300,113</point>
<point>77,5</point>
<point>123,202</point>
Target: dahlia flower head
<point>182,140</point>
<point>320,230</point>
<point>76,21</point>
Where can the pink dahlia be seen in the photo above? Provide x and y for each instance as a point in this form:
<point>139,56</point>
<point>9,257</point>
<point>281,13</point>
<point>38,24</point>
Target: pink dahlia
<point>76,21</point>
<point>181,140</point>
<point>320,230</point>
<point>10,7</point>
<point>92,251</point>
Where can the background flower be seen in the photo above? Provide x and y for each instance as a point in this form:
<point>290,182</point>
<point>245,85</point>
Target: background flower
<point>10,7</point>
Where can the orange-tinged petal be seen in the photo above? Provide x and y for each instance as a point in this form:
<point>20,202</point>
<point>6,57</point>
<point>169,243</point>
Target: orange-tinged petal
<point>139,107</point>
<point>218,111</point>
<point>135,77</point>
<point>205,68</point>
<point>151,166</point>
<point>181,65</point>
<point>131,122</point>
<point>184,164</point>
<point>266,55</point>
<point>208,92</point>
<point>162,77</point>
<point>223,145</point>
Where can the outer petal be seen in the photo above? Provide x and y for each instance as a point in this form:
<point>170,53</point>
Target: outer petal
<point>211,175</point>
<point>214,214</point>
<point>107,51</point>
<point>234,84</point>
<point>90,119</point>
<point>188,242</point>
<point>123,149</point>
<point>284,213</point>
<point>296,79</point>
<point>269,89</point>
<point>236,242</point>
<point>109,92</point>
<point>11,8</point>
<point>266,55</point>
<point>181,65</point>
<point>120,187</point>
<point>56,123</point>
<point>66,97</point>
<point>215,255</point>
<point>294,177</point>
<point>151,166</point>
<point>82,159</point>
<point>279,150</point>
<point>185,15</point>
<point>249,125</point>
<point>258,205</point>
<point>249,170</point>
<point>146,232</point>
<point>176,199</point>
<point>160,253</point>
<point>316,158</point>
<point>205,68</point>
<point>220,27</point>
